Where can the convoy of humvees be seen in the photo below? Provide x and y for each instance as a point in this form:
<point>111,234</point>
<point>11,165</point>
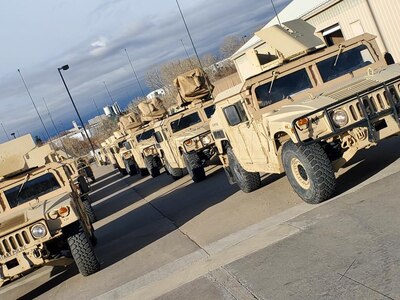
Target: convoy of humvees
<point>303,109</point>
<point>184,141</point>
<point>307,114</point>
<point>42,219</point>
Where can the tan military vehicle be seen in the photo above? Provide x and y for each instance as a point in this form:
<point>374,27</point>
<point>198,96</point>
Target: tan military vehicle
<point>42,220</point>
<point>184,141</point>
<point>144,144</point>
<point>129,124</point>
<point>109,152</point>
<point>308,112</point>
<point>77,170</point>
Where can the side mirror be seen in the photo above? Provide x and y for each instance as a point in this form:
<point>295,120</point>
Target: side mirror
<point>158,137</point>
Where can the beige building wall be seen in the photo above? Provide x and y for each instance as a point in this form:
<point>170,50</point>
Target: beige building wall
<point>379,17</point>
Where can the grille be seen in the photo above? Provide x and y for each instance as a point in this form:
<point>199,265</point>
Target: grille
<point>14,241</point>
<point>374,102</point>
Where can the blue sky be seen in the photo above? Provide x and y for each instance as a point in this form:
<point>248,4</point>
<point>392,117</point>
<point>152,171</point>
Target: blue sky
<point>39,36</point>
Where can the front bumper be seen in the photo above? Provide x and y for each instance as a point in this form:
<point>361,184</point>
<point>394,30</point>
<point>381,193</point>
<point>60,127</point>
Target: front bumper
<point>375,110</point>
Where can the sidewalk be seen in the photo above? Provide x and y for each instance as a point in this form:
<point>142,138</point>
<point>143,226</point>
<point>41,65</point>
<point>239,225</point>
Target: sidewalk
<point>348,248</point>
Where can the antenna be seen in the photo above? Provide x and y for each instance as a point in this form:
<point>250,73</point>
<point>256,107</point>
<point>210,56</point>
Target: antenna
<point>97,108</point>
<point>187,54</point>
<point>134,73</point>
<point>109,94</point>
<point>55,127</point>
<point>34,105</point>
<point>188,32</point>
<point>5,132</point>
<point>276,14</point>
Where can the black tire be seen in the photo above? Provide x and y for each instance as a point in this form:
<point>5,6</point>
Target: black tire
<point>122,171</point>
<point>89,210</point>
<point>309,171</point>
<point>194,166</point>
<point>130,167</point>
<point>143,172</point>
<point>247,181</point>
<point>176,173</point>
<point>82,250</point>
<point>152,166</point>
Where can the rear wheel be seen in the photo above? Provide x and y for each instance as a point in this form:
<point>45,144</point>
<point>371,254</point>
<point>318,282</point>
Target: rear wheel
<point>82,250</point>
<point>194,166</point>
<point>152,165</point>
<point>247,181</point>
<point>175,173</point>
<point>309,171</point>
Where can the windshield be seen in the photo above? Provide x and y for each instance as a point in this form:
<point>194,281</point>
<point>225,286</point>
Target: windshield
<point>31,189</point>
<point>344,62</point>
<point>282,87</point>
<point>145,135</point>
<point>209,111</point>
<point>185,122</point>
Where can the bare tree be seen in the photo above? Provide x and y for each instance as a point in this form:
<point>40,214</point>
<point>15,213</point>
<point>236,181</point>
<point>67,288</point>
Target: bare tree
<point>230,45</point>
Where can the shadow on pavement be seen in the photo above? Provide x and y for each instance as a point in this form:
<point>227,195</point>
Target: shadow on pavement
<point>368,163</point>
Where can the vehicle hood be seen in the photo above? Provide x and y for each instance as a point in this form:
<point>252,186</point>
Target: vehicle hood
<point>348,89</point>
<point>27,214</point>
<point>192,131</point>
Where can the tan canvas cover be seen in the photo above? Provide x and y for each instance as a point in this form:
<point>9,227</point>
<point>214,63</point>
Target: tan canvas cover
<point>193,85</point>
<point>129,121</point>
<point>12,155</point>
<point>152,109</point>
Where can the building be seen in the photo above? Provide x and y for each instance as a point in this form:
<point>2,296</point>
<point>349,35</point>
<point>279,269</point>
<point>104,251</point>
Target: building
<point>156,93</point>
<point>338,20</point>
<point>112,110</point>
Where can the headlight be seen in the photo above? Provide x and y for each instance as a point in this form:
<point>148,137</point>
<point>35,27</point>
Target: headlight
<point>340,118</point>
<point>38,231</point>
<point>189,142</point>
<point>206,140</point>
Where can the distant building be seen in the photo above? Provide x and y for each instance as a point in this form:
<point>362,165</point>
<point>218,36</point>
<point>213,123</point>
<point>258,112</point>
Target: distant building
<point>112,110</point>
<point>156,93</point>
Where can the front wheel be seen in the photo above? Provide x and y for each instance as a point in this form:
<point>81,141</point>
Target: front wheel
<point>247,181</point>
<point>309,171</point>
<point>194,166</point>
<point>89,210</point>
<point>130,167</point>
<point>82,250</point>
<point>152,165</point>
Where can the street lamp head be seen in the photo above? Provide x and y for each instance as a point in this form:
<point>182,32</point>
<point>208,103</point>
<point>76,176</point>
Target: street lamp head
<point>66,67</point>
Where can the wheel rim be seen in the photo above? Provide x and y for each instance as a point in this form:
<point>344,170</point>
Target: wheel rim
<point>300,173</point>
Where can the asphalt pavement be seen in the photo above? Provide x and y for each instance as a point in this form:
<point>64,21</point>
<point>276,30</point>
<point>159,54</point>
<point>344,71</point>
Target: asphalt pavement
<point>159,238</point>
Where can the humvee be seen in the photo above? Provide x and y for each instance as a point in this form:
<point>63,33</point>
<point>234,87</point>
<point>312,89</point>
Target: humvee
<point>183,140</point>
<point>132,159</point>
<point>308,112</point>
<point>42,221</point>
<point>77,170</point>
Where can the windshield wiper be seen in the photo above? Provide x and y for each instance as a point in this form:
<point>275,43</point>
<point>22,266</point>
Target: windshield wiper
<point>21,188</point>
<point>337,56</point>
<point>179,120</point>
<point>274,75</point>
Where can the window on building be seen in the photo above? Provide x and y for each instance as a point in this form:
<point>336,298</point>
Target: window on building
<point>333,35</point>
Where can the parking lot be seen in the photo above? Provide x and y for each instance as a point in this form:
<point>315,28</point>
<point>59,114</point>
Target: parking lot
<point>176,239</point>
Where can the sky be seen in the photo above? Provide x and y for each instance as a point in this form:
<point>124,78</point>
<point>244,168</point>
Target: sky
<point>39,36</point>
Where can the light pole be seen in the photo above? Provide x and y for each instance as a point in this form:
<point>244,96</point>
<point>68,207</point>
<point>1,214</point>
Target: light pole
<point>64,68</point>
<point>187,54</point>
